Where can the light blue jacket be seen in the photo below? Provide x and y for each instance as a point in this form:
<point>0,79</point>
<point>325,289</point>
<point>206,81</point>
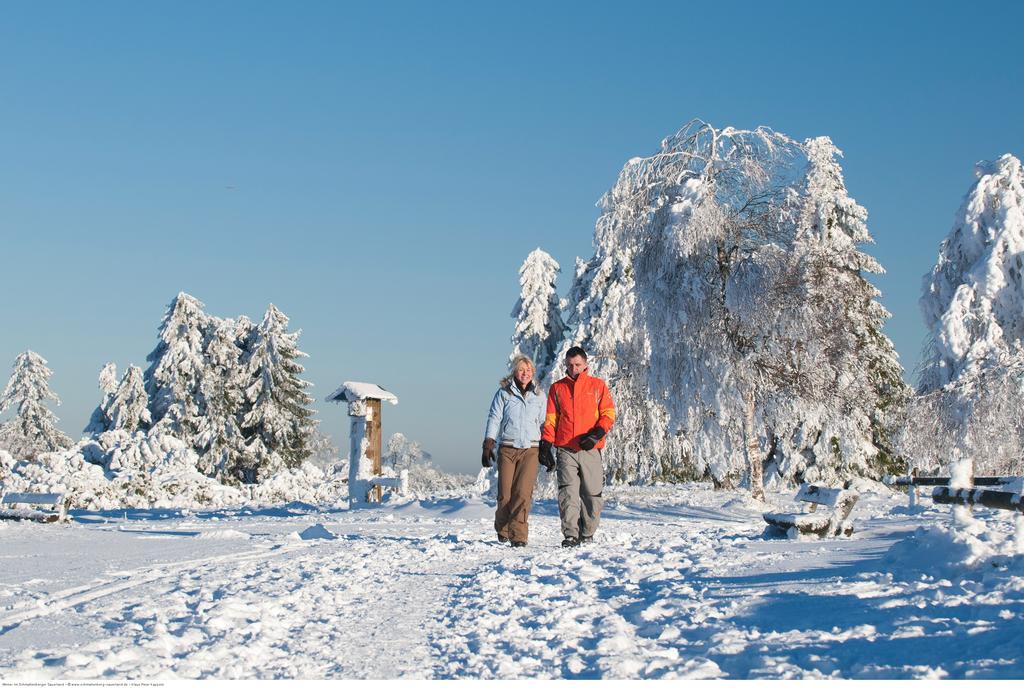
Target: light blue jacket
<point>516,419</point>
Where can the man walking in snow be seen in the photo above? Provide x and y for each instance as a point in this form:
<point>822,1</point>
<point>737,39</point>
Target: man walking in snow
<point>580,413</point>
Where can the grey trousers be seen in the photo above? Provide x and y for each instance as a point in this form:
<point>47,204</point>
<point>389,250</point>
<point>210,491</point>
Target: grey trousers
<point>580,491</point>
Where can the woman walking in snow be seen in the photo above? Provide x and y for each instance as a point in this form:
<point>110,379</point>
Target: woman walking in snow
<point>513,427</point>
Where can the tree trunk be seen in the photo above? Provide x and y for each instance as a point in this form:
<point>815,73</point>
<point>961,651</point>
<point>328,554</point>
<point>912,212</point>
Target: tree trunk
<point>752,448</point>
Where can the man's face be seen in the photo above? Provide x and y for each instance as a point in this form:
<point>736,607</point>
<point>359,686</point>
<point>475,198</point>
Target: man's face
<point>575,365</point>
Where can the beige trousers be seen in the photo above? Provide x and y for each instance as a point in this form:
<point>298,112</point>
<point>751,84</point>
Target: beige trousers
<point>517,474</point>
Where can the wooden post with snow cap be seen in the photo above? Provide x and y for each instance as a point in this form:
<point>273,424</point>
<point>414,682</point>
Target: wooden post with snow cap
<point>364,408</point>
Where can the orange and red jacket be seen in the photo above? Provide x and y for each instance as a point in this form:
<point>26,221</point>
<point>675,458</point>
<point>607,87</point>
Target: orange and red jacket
<point>574,408</point>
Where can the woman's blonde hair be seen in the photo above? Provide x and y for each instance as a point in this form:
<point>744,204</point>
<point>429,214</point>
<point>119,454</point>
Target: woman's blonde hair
<point>517,361</point>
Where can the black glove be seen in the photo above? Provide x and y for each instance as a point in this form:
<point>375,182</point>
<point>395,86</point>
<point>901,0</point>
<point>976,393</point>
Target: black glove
<point>588,441</point>
<point>487,460</point>
<point>545,457</point>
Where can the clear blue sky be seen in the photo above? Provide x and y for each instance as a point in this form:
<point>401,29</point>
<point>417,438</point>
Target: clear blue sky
<point>380,170</point>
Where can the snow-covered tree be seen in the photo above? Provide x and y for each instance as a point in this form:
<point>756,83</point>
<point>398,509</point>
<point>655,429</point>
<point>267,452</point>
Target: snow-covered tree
<point>33,429</point>
<point>973,300</point>
<point>176,368</point>
<point>402,453</point>
<point>99,422</point>
<point>539,327</point>
<point>831,320</point>
<point>218,439</point>
<point>108,381</point>
<point>602,297</point>
<point>128,407</point>
<point>227,388</point>
<point>710,308</point>
<point>324,453</point>
<point>972,373</point>
<point>245,333</point>
<point>977,420</point>
<point>278,424</point>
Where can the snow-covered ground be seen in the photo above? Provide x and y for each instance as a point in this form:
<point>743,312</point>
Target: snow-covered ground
<point>680,582</point>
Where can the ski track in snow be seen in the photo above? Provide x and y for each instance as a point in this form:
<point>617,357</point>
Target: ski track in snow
<point>685,587</point>
<point>355,607</point>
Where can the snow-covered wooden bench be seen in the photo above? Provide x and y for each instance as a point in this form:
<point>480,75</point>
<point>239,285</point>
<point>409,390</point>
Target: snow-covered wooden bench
<point>44,507</point>
<point>827,522</point>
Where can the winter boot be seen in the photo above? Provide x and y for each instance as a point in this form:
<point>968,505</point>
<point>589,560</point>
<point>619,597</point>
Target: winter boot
<point>571,542</point>
<point>518,544</point>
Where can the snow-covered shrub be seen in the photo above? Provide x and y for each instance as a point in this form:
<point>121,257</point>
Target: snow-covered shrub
<point>162,470</point>
<point>306,483</point>
<point>119,469</point>
<point>6,466</point>
<point>155,470</point>
<point>426,479</point>
<point>66,472</point>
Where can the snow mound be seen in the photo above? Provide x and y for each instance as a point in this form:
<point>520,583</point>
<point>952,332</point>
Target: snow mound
<point>944,551</point>
<point>227,534</point>
<point>316,532</point>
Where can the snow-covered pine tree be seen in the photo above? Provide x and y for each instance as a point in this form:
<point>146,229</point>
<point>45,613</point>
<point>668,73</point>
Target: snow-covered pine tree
<point>33,429</point>
<point>696,309</point>
<point>971,376</point>
<point>99,422</point>
<point>539,328</point>
<point>602,294</point>
<point>107,380</point>
<point>128,407</point>
<point>245,333</point>
<point>219,440</point>
<point>831,322</point>
<point>278,424</point>
<point>176,368</point>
